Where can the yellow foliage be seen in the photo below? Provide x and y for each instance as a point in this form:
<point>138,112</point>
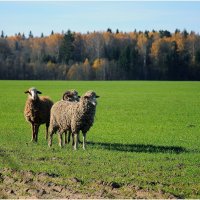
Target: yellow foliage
<point>97,63</point>
<point>155,48</point>
<point>142,40</point>
<point>178,37</point>
<point>86,62</point>
<point>51,65</point>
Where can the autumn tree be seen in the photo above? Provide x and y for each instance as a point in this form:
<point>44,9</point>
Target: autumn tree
<point>105,55</point>
<point>100,68</point>
<point>142,43</point>
<point>87,70</point>
<point>52,47</point>
<point>94,45</point>
<point>75,72</point>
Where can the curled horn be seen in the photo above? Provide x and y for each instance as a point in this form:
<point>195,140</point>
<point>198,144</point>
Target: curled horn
<point>68,93</point>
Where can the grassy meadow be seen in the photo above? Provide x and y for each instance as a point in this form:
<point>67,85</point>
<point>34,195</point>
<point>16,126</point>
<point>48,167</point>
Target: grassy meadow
<point>146,136</point>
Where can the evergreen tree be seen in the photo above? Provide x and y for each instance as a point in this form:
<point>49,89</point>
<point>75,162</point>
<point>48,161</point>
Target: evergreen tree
<point>124,61</point>
<point>66,48</point>
<point>23,37</point>
<point>2,34</point>
<point>109,30</point>
<point>30,34</point>
<point>185,33</point>
<point>172,61</point>
<point>164,33</point>
<point>177,31</point>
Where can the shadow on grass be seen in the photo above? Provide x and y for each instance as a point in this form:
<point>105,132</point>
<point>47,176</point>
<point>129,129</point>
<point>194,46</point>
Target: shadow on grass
<point>141,148</point>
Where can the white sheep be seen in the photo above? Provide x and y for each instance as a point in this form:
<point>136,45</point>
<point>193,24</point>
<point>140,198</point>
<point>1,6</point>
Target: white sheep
<point>70,96</point>
<point>73,116</point>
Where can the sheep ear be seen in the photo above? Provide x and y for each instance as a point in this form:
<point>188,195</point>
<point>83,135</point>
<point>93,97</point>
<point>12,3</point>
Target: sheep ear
<point>26,92</point>
<point>97,96</point>
<point>79,96</point>
<point>86,97</point>
<point>39,92</point>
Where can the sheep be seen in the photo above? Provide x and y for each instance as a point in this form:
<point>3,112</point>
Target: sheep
<point>73,116</point>
<point>37,111</point>
<point>72,96</point>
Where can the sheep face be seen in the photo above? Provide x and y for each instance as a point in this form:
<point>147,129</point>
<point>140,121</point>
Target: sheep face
<point>71,95</point>
<point>33,93</point>
<point>91,97</point>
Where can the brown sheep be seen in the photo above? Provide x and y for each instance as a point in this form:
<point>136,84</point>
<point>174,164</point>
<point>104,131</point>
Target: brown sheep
<point>37,111</point>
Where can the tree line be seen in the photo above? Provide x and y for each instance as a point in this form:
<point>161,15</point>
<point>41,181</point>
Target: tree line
<point>107,55</point>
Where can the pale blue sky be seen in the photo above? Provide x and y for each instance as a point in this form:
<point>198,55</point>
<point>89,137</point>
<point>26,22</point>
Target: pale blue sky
<point>86,16</point>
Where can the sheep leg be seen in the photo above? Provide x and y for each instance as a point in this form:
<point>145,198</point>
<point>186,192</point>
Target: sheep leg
<point>36,132</point>
<point>65,138</point>
<point>72,139</point>
<point>33,133</point>
<point>60,139</point>
<point>84,140</point>
<point>69,135</point>
<point>51,138</point>
<point>79,141</point>
<point>75,141</point>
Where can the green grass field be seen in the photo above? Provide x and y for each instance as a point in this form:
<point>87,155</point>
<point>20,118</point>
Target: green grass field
<point>146,135</point>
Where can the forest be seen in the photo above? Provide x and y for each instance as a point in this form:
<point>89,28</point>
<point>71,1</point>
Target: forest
<point>101,55</point>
